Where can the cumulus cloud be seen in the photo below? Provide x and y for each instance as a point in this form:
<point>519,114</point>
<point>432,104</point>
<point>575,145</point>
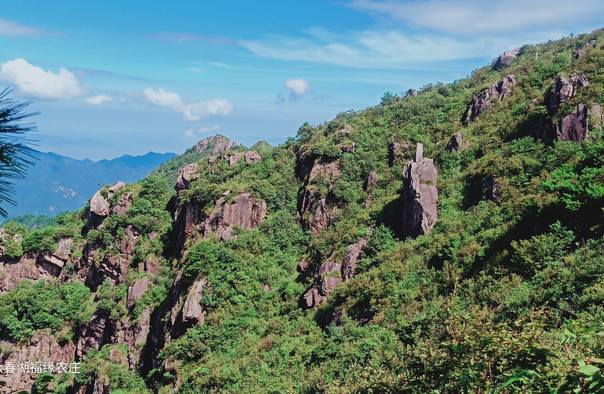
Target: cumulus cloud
<point>190,110</point>
<point>297,87</point>
<point>35,82</point>
<point>99,99</point>
<point>9,28</point>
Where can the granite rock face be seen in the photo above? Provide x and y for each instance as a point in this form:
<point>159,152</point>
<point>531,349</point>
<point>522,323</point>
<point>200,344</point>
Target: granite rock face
<point>483,100</point>
<point>505,59</point>
<point>420,196</point>
<point>192,310</point>
<point>397,151</point>
<point>371,181</point>
<point>455,143</point>
<point>575,126</point>
<point>333,272</point>
<point>565,89</point>
<point>186,175</point>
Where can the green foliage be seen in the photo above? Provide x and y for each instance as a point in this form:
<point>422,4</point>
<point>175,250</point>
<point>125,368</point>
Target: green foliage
<point>33,306</point>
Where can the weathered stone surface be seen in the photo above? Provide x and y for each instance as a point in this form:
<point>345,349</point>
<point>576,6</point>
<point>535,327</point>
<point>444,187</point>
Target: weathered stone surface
<point>328,173</point>
<point>26,268</point>
<point>397,151</point>
<point>564,90</point>
<point>579,52</point>
<point>136,291</point>
<point>51,264</point>
<point>63,250</point>
<point>482,101</point>
<point>320,219</point>
<point>192,310</point>
<point>43,348</point>
<point>420,196</point>
<point>252,157</point>
<point>505,59</point>
<point>352,258</point>
<point>92,335</point>
<point>493,190</point>
<point>246,212</point>
<point>349,148</point>
<point>371,181</point>
<point>235,158</point>
<point>134,335</point>
<point>99,204</point>
<point>124,204</point>
<point>221,144</point>
<point>455,143</point>
<point>332,272</point>
<point>186,175</point>
<point>116,187</point>
<point>575,126</point>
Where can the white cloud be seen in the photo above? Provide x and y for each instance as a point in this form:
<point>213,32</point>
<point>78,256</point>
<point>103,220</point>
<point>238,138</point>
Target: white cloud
<point>34,82</point>
<point>99,99</point>
<point>297,87</point>
<point>191,132</point>
<point>9,28</point>
<point>190,110</point>
<point>487,17</point>
<point>377,49</point>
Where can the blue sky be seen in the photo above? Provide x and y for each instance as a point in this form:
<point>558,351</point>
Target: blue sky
<point>116,77</point>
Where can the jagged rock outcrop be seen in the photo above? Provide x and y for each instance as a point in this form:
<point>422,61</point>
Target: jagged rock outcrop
<point>397,151</point>
<point>483,100</point>
<point>420,195</point>
<point>99,205</point>
<point>221,145</point>
<point>42,348</point>
<point>596,115</point>
<point>371,181</point>
<point>320,219</point>
<point>186,175</point>
<point>93,335</point>
<point>235,158</point>
<point>192,310</point>
<point>134,335</point>
<point>136,291</point>
<point>456,143</point>
<point>564,90</point>
<point>252,157</point>
<point>579,52</point>
<point>575,126</point>
<point>505,59</point>
<point>332,272</point>
<point>124,204</point>
<point>245,212</point>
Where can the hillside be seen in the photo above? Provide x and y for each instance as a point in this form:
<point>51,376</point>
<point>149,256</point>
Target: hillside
<point>56,183</point>
<point>451,240</point>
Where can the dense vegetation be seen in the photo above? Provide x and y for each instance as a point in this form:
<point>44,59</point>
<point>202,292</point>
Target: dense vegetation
<point>501,296</point>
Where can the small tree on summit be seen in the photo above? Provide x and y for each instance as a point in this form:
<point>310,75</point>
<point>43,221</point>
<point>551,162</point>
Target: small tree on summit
<point>15,153</point>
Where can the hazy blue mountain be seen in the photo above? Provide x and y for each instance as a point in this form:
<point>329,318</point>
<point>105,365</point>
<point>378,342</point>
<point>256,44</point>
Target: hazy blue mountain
<point>58,183</point>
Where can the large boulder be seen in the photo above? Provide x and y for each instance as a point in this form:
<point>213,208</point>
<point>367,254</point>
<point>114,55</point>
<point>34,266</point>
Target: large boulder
<point>192,310</point>
<point>252,157</point>
<point>397,151</point>
<point>575,126</point>
<point>186,175</point>
<point>136,291</point>
<point>565,89</point>
<point>420,195</point>
<point>484,100</point>
<point>505,59</point>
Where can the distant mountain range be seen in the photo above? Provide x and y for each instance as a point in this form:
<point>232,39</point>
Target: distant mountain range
<point>58,183</point>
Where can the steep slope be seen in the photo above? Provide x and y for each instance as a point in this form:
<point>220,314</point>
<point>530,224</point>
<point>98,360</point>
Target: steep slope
<point>58,183</point>
<point>448,241</point>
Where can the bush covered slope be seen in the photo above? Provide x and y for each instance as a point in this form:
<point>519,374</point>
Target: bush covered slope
<point>291,271</point>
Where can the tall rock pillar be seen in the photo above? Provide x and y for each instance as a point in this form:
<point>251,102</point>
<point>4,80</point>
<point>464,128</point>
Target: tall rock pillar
<point>420,196</point>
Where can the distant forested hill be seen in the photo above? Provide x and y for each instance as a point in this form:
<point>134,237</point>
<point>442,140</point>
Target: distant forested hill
<point>58,183</point>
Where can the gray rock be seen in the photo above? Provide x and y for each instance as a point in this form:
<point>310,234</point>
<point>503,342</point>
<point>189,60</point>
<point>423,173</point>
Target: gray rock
<point>252,157</point>
<point>192,310</point>
<point>505,59</point>
<point>483,100</point>
<point>564,90</point>
<point>455,143</point>
<point>575,126</point>
<point>420,197</point>
<point>186,175</point>
<point>136,291</point>
<point>372,180</point>
<point>493,190</point>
